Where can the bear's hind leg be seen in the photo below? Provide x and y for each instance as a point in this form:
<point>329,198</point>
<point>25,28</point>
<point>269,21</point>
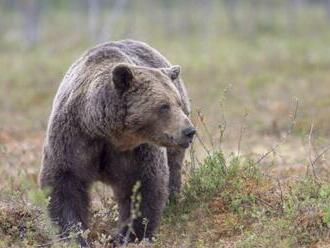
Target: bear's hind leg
<point>68,206</point>
<point>175,158</point>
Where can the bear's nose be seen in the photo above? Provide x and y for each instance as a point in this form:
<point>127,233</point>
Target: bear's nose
<point>189,132</point>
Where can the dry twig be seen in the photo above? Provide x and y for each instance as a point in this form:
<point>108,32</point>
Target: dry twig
<point>288,133</point>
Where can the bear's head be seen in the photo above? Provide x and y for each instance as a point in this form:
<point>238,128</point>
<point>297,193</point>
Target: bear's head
<point>153,106</point>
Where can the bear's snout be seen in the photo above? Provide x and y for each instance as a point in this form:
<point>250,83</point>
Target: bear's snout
<point>187,136</point>
<point>189,132</point>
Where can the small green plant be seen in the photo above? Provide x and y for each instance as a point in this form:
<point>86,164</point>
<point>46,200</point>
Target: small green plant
<point>215,178</point>
<point>207,179</point>
<point>260,210</point>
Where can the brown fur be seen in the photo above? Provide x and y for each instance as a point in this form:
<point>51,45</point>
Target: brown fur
<point>119,116</point>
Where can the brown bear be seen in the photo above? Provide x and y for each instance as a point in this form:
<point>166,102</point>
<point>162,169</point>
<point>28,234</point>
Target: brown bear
<point>120,116</point>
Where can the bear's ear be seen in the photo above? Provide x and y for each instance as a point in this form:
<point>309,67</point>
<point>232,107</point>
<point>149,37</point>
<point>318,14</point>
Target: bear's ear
<point>122,77</point>
<point>174,72</point>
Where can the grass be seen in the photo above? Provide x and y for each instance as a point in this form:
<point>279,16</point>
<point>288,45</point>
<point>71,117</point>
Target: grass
<point>223,202</point>
<point>237,203</point>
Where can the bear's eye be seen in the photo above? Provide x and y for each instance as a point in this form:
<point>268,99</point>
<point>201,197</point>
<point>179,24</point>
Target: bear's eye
<point>164,108</point>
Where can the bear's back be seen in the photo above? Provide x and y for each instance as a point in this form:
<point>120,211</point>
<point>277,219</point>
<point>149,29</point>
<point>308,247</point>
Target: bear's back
<point>101,59</point>
<point>81,74</point>
<point>142,54</point>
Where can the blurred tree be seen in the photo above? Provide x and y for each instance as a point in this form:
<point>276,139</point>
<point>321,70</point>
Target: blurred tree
<point>327,7</point>
<point>251,19</point>
<point>30,12</point>
<point>94,14</point>
<point>231,12</point>
<point>111,18</point>
<point>206,19</point>
<point>167,17</point>
<point>130,27</point>
<point>293,8</point>
<point>9,4</point>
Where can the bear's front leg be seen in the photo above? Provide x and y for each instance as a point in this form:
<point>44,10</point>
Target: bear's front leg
<point>68,206</point>
<point>141,211</point>
<point>144,212</point>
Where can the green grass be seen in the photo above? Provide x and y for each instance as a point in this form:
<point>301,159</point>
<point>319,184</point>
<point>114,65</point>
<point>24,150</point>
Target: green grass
<point>253,209</point>
<point>224,199</point>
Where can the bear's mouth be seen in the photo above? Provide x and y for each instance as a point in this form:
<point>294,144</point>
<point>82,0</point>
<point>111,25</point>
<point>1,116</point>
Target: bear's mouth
<point>182,143</point>
<point>169,141</point>
<point>185,144</point>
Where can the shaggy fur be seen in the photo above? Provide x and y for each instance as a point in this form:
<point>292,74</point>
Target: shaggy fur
<point>119,116</point>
